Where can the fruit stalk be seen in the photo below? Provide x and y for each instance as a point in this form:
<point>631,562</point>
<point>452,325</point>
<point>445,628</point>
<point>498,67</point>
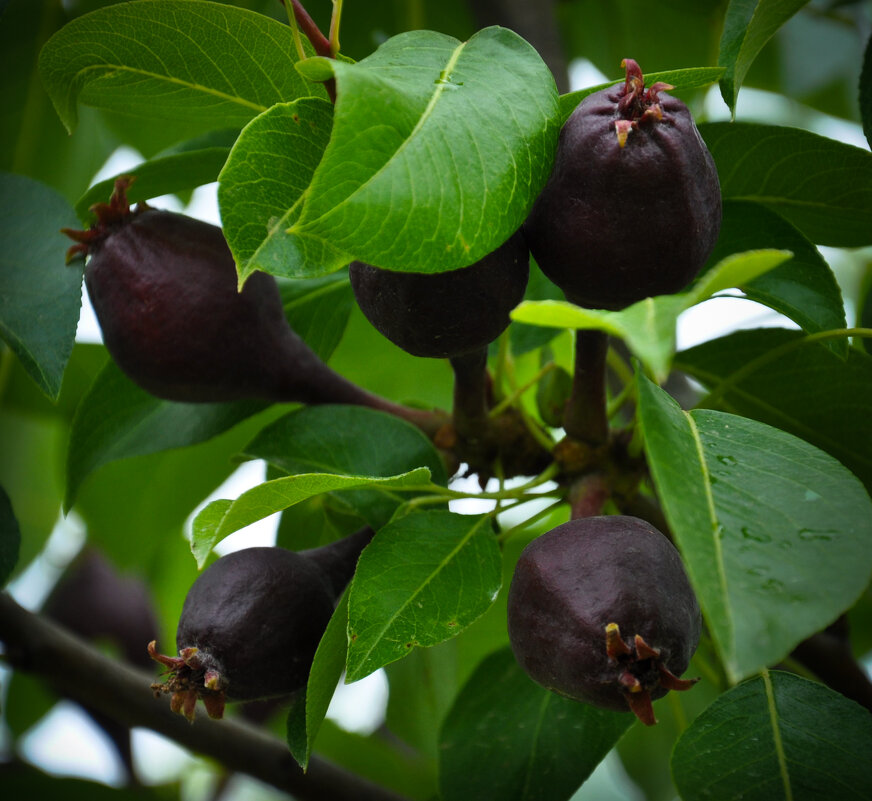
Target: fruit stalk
<point>470,417</point>
<point>586,418</point>
<point>327,386</point>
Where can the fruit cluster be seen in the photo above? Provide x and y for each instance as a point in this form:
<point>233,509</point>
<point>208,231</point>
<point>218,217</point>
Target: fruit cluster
<point>600,609</point>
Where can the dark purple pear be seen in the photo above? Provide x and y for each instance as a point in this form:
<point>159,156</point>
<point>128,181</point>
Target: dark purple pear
<point>251,623</point>
<point>95,601</point>
<point>600,610</point>
<point>633,206</point>
<point>164,289</point>
<point>445,315</point>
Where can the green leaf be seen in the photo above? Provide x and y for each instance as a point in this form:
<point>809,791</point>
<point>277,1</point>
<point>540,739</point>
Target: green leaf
<point>794,383</point>
<point>40,297</point>
<point>748,25</point>
<point>116,420</point>
<point>207,65</point>
<point>162,175</point>
<point>349,440</point>
<point>648,327</point>
<point>213,523</point>
<point>778,737</point>
<point>261,188</point>
<point>508,739</point>
<point>443,136</point>
<point>380,759</point>
<point>680,80</point>
<point>820,186</point>
<point>307,713</point>
<point>10,538</point>
<point>774,532</point>
<point>734,270</point>
<point>397,603</point>
<point>866,92</point>
<point>803,288</point>
<point>318,309</point>
<point>34,141</point>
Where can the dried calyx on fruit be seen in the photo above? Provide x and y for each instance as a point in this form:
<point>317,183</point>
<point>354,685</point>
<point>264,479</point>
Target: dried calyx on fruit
<point>633,206</point>
<point>251,623</point>
<point>444,315</point>
<point>600,610</point>
<point>164,289</point>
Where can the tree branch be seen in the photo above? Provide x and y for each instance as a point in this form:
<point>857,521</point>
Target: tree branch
<point>80,672</point>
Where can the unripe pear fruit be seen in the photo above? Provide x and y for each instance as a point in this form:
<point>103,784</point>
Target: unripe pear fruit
<point>164,289</point>
<point>633,206</point>
<point>252,621</point>
<point>445,315</point>
<point>600,610</point>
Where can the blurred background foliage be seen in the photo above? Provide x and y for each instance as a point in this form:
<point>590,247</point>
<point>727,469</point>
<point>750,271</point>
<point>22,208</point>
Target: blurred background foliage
<point>136,511</point>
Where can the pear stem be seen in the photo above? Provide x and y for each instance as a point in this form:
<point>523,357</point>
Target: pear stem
<point>470,393</point>
<point>586,417</point>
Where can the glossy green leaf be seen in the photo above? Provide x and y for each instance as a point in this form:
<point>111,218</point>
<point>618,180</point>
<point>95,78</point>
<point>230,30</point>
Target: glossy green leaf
<point>680,80</point>
<point>307,713</point>
<point>508,739</point>
<point>262,187</point>
<point>118,420</point>
<point>648,327</point>
<point>782,378</point>
<point>450,142</point>
<point>774,532</point>
<point>777,737</point>
<point>162,175</point>
<point>748,25</point>
<point>803,288</point>
<point>397,603</point>
<point>349,440</point>
<point>207,65</point>
<point>40,297</point>
<point>318,309</point>
<point>213,523</point>
<point>821,186</point>
<point>10,538</point>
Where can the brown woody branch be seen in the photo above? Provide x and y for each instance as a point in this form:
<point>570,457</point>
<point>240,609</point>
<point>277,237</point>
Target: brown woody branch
<point>77,671</point>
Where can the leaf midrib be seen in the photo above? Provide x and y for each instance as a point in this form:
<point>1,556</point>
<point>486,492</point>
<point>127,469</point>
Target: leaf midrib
<point>364,657</point>
<point>107,67</point>
<point>719,551</point>
<point>299,226</point>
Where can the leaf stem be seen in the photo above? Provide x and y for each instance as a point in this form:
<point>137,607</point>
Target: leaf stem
<point>313,33</point>
<point>335,19</point>
<point>295,32</point>
<point>532,520</point>
<point>517,392</point>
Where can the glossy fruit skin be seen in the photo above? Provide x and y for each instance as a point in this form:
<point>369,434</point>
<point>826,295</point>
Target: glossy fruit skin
<point>616,224</point>
<point>164,289</point>
<point>575,580</point>
<point>256,617</point>
<point>443,315</point>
